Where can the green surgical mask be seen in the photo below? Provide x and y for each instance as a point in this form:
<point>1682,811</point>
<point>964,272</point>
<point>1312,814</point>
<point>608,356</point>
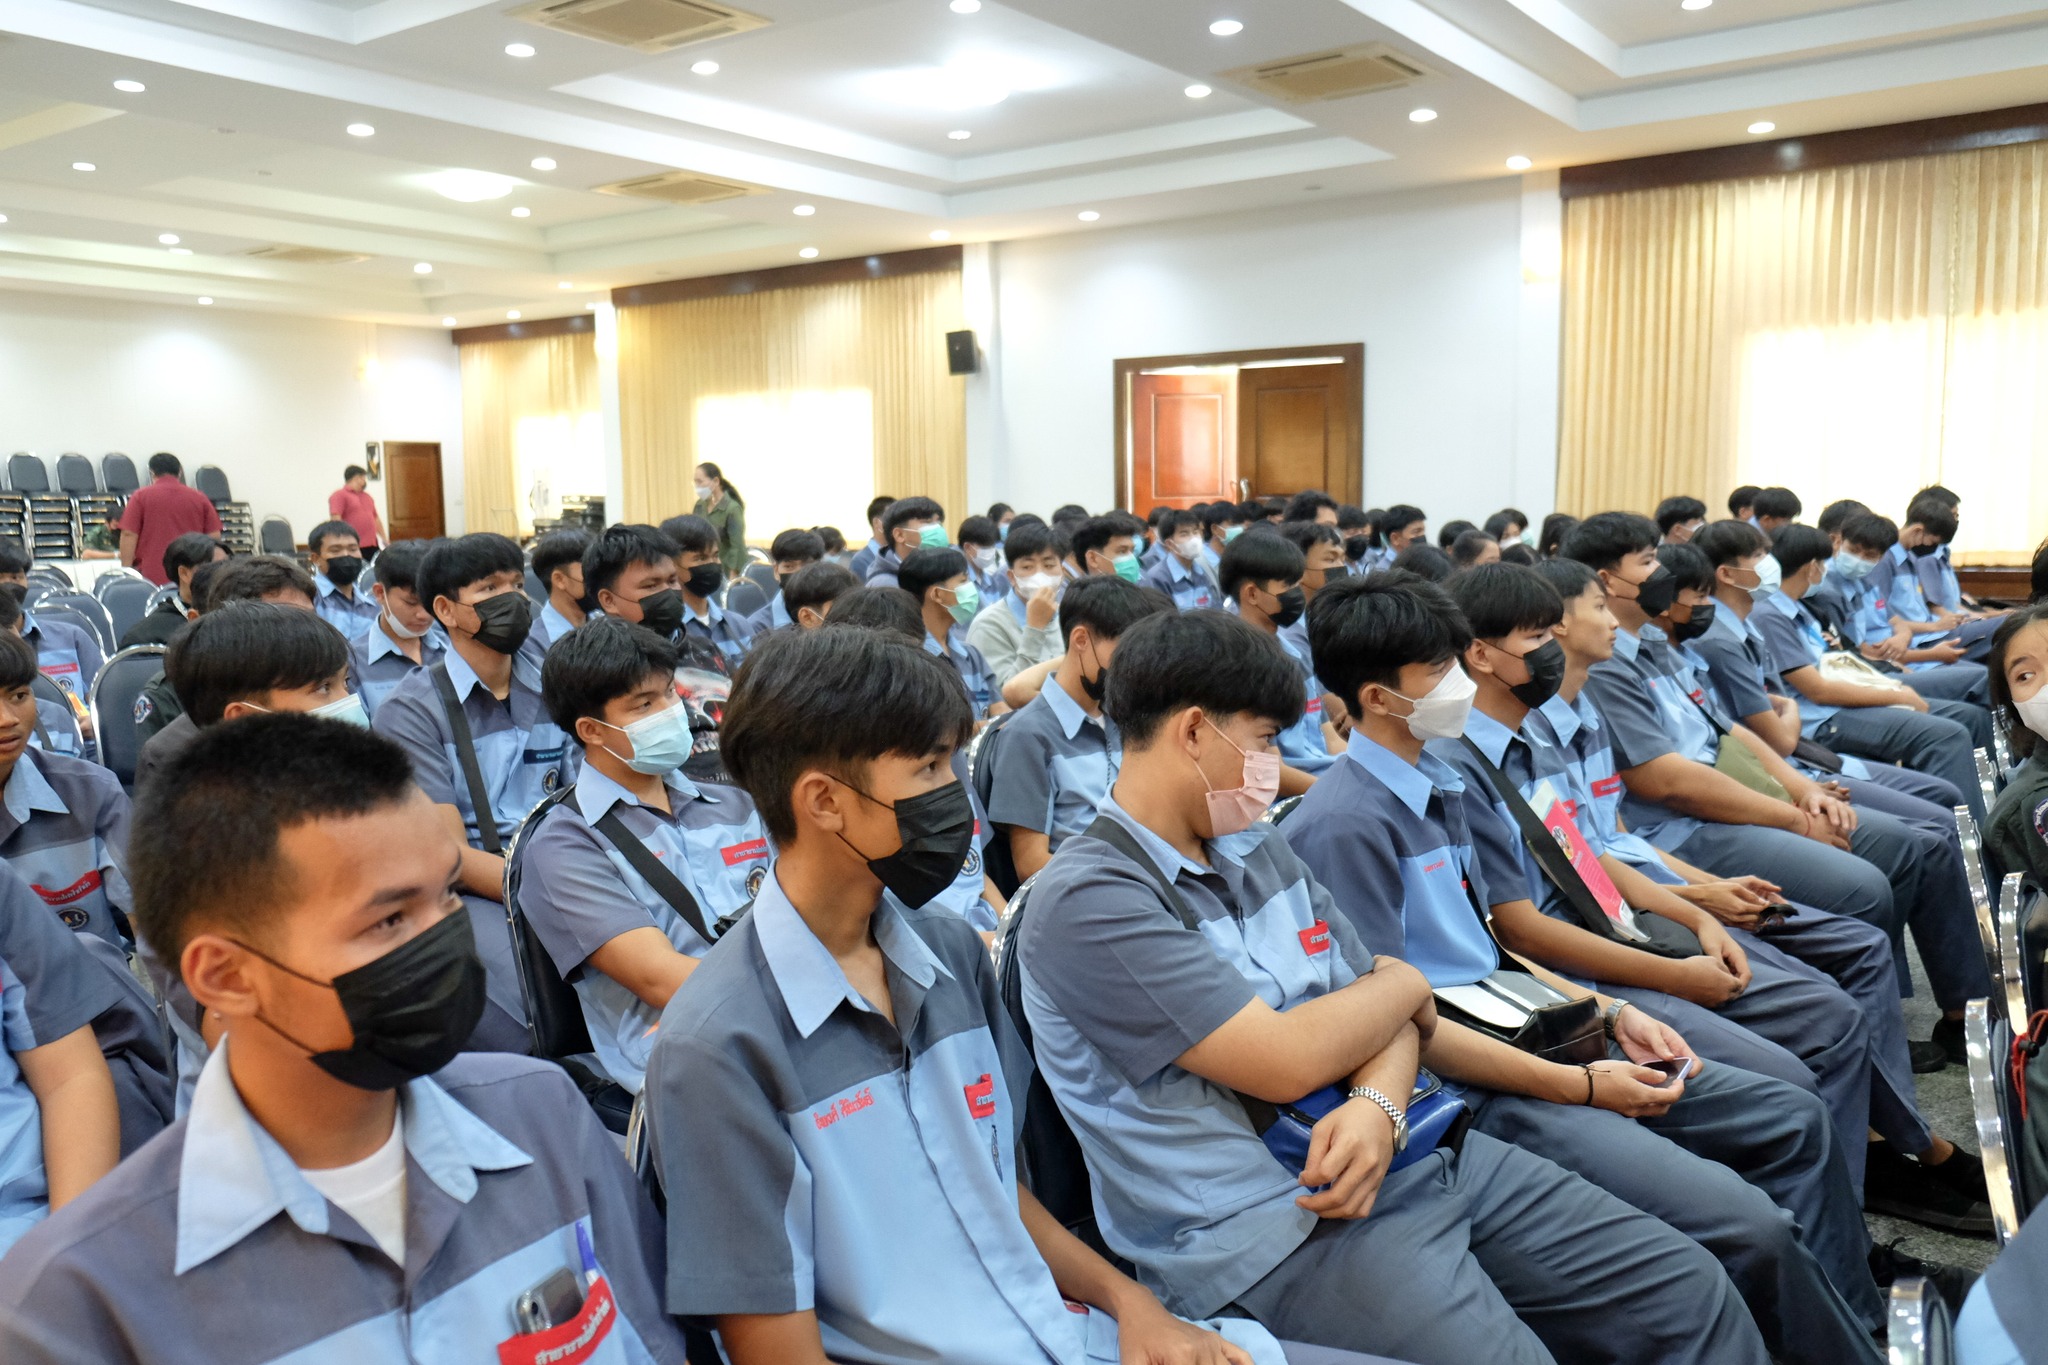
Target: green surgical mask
<point>966,602</point>
<point>1231,533</point>
<point>1127,568</point>
<point>933,537</point>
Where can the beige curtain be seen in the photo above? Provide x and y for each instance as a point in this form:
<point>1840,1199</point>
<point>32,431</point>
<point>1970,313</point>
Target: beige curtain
<point>1857,332</point>
<point>530,420</point>
<point>810,400</point>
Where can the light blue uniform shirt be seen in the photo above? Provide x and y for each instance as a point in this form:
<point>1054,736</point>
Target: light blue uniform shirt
<point>68,655</point>
<point>1792,640</point>
<point>349,615</point>
<point>376,665</point>
<point>64,830</point>
<point>730,633</point>
<point>1301,744</point>
<point>774,616</point>
<point>972,667</point>
<point>552,626</point>
<point>1054,766</point>
<point>1575,729</point>
<point>1191,586</point>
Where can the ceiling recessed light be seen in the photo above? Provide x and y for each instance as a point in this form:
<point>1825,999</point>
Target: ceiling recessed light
<point>940,235</point>
<point>1519,163</point>
<point>1762,126</point>
<point>804,210</point>
<point>542,163</point>
<point>1694,4</point>
<point>519,49</point>
<point>205,302</point>
<point>361,130</point>
<point>808,253</point>
<point>1422,116</point>
<point>1198,92</point>
<point>3,217</point>
<point>83,166</point>
<point>168,238</point>
<point>465,186</point>
<point>422,267</point>
<point>563,284</point>
<point>130,87</point>
<point>707,67</point>
<point>1088,215</point>
<point>522,211</point>
<point>959,135</point>
<point>965,6</point>
<point>512,313</point>
<point>1226,28</point>
<point>447,322</point>
<point>181,251</point>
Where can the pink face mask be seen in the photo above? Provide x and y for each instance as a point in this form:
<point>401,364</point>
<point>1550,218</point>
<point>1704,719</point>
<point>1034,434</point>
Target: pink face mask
<point>1235,809</point>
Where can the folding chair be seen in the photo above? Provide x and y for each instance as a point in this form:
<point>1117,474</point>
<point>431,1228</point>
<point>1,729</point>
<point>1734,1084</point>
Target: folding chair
<point>127,598</point>
<point>1987,777</point>
<point>112,576</point>
<point>117,472</point>
<point>1988,1043</point>
<point>57,729</point>
<point>1980,890</point>
<point>1917,1328</point>
<point>75,476</point>
<point>27,473</point>
<point>84,609</point>
<point>761,572</point>
<point>48,576</point>
<point>112,704</point>
<point>213,481</point>
<point>744,597</point>
<point>2001,748</point>
<point>275,538</point>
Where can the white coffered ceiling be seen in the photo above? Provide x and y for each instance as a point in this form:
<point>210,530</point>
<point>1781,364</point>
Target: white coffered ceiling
<point>239,140</point>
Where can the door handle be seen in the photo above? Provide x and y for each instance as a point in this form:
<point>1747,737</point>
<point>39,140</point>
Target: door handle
<point>1244,490</point>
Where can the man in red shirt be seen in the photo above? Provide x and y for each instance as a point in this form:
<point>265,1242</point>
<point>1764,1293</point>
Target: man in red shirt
<point>353,504</point>
<point>159,514</point>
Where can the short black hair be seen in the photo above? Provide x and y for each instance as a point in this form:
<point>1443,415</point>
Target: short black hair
<point>1259,557</point>
<point>616,547</point>
<point>1775,502</point>
<point>1027,538</point>
<point>1425,561</point>
<point>1215,514</point>
<point>830,537</point>
<point>1174,519</point>
<point>1797,545</point>
<point>998,510</point>
<point>1744,496</point>
<point>906,510</point>
<point>14,559</point>
<point>202,582</point>
<point>1108,606</point>
<point>354,471</point>
<point>1469,545</point>
<point>1870,531</point>
<point>834,700</point>
<point>1497,524</point>
<point>555,550</point>
<point>1252,510</point>
<point>1095,534</point>
<point>1499,599</point>
<point>189,551</point>
<point>1551,535</point>
<point>255,577</point>
<point>398,565</point>
<point>204,846</point>
<point>2003,712</point>
<point>18,662</point>
<point>1946,494</point>
<point>1351,517</point>
<point>689,535</point>
<point>1448,533</point>
<point>883,608</point>
<point>163,462</point>
<point>589,668</point>
<point>1515,552</point>
<point>977,531</point>
<point>878,505</point>
<point>1211,659</point>
<point>816,584</point>
<point>1690,567</point>
<point>1835,513</point>
<point>242,648</point>
<point>11,597</point>
<point>1400,517</point>
<point>1725,542</point>
<point>1604,539</point>
<point>330,528</point>
<point>796,545</point>
<point>1678,510</point>
<point>1570,578</point>
<point>453,565</point>
<point>1071,511</point>
<point>1303,534</point>
<point>1304,505</point>
<point>1936,516</point>
<point>1367,629</point>
<point>926,568</point>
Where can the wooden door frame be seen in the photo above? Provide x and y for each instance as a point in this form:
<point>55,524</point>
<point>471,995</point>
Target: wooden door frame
<point>1350,353</point>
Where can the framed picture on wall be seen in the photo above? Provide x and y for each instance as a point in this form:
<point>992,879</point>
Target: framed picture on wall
<point>373,458</point>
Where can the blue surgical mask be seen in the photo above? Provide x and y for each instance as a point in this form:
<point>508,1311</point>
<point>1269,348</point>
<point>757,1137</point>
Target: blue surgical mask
<point>1127,568</point>
<point>661,742</point>
<point>1850,566</point>
<point>348,710</point>
<point>1231,533</point>
<point>966,602</point>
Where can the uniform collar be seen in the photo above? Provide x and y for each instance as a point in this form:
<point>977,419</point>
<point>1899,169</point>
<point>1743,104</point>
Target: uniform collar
<point>1066,710</point>
<point>1491,736</point>
<point>713,613</point>
<point>1567,719</point>
<point>233,1177</point>
<point>552,620</point>
<point>1627,646</point>
<point>812,984</point>
<point>1787,607</point>
<point>1727,623</point>
<point>1179,572</point>
<point>1413,782</point>
<point>596,793</point>
<point>28,790</point>
<point>1017,606</point>
<point>28,624</point>
<point>462,675</point>
<point>956,642</point>
<point>381,644</point>
<point>1170,860</point>
<point>327,587</point>
<point>778,613</point>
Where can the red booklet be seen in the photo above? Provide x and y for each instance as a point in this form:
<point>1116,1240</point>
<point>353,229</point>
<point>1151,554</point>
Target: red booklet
<point>1557,816</point>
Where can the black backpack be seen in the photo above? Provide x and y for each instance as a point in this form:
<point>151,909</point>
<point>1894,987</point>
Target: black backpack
<point>996,860</point>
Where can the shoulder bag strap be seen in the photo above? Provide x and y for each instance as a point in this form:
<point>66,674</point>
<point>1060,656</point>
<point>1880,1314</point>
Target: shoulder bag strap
<point>652,870</point>
<point>465,752</point>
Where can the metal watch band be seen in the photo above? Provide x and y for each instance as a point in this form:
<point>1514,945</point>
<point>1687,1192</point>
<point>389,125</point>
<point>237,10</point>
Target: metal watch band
<point>1612,1013</point>
<point>1394,1112</point>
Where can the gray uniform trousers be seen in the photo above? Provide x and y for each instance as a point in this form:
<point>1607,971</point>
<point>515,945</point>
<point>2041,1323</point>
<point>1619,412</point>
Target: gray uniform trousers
<point>1497,1255</point>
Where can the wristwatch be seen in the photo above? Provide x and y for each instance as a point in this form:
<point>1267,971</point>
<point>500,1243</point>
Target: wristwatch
<point>1394,1112</point>
<point>1609,1015</point>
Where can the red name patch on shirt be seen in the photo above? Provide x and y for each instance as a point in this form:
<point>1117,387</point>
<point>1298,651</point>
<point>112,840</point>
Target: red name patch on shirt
<point>1440,862</point>
<point>568,1343</point>
<point>77,891</point>
<point>981,1097</point>
<point>735,854</point>
<point>1607,786</point>
<point>1316,938</point>
<point>860,1099</point>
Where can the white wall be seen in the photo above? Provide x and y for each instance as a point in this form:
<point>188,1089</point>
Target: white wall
<point>281,404</point>
<point>1431,281</point>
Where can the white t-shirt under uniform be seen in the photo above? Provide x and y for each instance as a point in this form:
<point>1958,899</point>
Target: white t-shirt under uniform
<point>372,1191</point>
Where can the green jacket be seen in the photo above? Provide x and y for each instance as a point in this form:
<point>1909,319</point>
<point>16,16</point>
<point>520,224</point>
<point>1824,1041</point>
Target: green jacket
<point>2016,831</point>
<point>730,517</point>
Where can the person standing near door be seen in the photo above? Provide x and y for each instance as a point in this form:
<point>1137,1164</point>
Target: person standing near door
<point>719,503</point>
<point>353,504</point>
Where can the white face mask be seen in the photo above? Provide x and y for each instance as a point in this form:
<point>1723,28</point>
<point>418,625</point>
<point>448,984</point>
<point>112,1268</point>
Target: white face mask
<point>397,627</point>
<point>703,492</point>
<point>1187,547</point>
<point>1037,582</point>
<point>1440,713</point>
<point>2034,712</point>
<point>349,710</point>
<point>987,559</point>
<point>1769,576</point>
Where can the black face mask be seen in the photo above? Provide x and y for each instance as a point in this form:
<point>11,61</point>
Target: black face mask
<point>410,1011</point>
<point>1096,686</point>
<point>1332,575</point>
<point>1655,594</point>
<point>1357,547</point>
<point>343,570</point>
<point>662,612</point>
<point>1702,617</point>
<point>1922,551</point>
<point>1292,603</point>
<point>705,580</point>
<point>1546,674</point>
<point>937,829</point>
<point>502,622</point>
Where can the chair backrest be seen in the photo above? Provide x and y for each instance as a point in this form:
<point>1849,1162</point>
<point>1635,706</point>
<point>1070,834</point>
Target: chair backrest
<point>2012,976</point>
<point>1980,888</point>
<point>212,481</point>
<point>109,577</point>
<point>1988,779</point>
<point>117,471</point>
<point>275,537</point>
<point>59,721</point>
<point>82,608</point>
<point>27,473</point>
<point>2001,747</point>
<point>159,595</point>
<point>112,703</point>
<point>1917,1327</point>
<point>74,474</point>
<point>745,597</point>
<point>48,576</point>
<point>996,859</point>
<point>127,598</point>
<point>553,1013</point>
<point>535,589</point>
<point>763,573</point>
<point>1987,1043</point>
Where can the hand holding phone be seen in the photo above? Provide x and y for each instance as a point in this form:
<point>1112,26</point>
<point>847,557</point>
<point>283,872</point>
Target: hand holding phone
<point>1672,1070</point>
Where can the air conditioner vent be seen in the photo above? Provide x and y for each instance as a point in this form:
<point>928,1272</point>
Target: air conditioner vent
<point>1333,75</point>
<point>305,255</point>
<point>681,187</point>
<point>645,25</point>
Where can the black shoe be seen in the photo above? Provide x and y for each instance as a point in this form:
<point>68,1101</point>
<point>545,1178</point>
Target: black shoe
<point>1948,1036</point>
<point>1927,1057</point>
<point>1952,1282</point>
<point>1900,1186</point>
<point>1963,1172</point>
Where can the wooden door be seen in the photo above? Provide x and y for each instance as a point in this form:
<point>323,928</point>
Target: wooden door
<point>1183,439</point>
<point>412,490</point>
<point>1294,430</point>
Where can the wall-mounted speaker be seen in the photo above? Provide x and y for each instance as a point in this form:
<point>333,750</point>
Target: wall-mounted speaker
<point>961,357</point>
